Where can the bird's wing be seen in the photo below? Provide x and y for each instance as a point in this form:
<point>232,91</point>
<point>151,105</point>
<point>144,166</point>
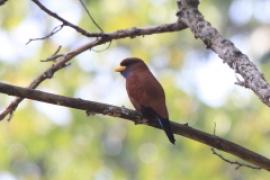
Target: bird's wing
<point>145,91</point>
<point>147,96</point>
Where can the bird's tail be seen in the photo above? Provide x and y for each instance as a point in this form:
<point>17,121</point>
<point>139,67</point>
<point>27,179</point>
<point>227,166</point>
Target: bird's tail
<point>166,126</point>
<point>164,123</point>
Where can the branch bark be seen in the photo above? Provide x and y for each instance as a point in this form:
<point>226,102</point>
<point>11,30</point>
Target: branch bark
<point>114,111</point>
<point>226,50</point>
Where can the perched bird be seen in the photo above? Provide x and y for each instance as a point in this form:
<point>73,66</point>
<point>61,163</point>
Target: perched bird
<point>145,93</point>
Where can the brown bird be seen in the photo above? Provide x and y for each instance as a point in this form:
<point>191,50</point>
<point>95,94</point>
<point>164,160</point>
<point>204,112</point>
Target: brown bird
<point>145,93</point>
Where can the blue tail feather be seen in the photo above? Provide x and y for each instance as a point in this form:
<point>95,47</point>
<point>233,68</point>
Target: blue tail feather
<point>164,123</point>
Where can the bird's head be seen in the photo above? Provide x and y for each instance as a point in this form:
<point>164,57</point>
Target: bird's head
<point>129,65</point>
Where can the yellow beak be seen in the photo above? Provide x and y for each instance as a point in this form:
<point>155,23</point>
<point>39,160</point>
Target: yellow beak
<point>119,68</point>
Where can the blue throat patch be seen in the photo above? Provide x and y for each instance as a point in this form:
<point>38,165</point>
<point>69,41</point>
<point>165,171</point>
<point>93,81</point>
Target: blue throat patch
<point>125,73</point>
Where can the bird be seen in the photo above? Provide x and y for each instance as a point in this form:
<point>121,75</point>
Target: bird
<point>145,93</point>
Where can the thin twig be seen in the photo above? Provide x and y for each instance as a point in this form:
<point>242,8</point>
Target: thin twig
<point>96,24</point>
<point>90,16</point>
<point>110,110</point>
<point>237,164</point>
<point>54,56</point>
<point>55,30</point>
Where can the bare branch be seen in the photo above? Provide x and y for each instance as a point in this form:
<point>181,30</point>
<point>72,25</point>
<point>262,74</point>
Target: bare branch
<point>110,110</point>
<point>132,32</point>
<point>226,50</point>
<point>53,32</point>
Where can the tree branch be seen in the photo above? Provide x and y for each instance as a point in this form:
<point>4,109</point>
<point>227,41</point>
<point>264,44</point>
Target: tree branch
<point>114,111</point>
<point>226,50</point>
<point>132,32</point>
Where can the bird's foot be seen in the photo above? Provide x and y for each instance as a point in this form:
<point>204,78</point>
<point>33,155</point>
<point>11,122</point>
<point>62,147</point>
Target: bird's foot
<point>141,121</point>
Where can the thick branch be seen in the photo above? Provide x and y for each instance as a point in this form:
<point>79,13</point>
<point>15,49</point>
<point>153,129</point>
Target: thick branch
<point>106,109</point>
<point>226,50</point>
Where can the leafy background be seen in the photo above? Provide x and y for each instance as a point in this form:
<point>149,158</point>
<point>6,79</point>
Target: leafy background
<point>49,142</point>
